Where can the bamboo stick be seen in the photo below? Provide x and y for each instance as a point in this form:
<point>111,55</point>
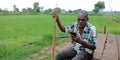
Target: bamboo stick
<point>54,39</point>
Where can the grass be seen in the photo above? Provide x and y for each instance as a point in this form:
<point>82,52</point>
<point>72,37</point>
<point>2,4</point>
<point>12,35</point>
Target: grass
<point>18,30</point>
<point>101,21</point>
<point>15,31</point>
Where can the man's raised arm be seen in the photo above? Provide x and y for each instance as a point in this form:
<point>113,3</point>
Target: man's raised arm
<point>56,17</point>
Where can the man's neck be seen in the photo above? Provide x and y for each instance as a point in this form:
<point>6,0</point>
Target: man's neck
<point>81,28</point>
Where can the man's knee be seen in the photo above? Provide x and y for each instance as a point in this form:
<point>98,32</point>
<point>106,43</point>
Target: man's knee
<point>69,53</point>
<point>59,56</point>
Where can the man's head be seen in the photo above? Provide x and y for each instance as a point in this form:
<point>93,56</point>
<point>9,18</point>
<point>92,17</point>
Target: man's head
<point>82,18</point>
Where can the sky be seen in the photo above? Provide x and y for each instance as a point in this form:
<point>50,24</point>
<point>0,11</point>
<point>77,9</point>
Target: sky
<point>88,5</point>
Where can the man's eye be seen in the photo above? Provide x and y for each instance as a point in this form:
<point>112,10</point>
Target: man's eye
<point>81,19</point>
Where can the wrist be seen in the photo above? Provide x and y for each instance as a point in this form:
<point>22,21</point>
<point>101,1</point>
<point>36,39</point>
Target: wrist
<point>80,41</point>
<point>57,18</point>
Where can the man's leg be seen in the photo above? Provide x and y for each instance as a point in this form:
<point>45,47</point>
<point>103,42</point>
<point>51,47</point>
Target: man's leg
<point>82,55</point>
<point>79,56</point>
<point>69,53</point>
<point>88,56</point>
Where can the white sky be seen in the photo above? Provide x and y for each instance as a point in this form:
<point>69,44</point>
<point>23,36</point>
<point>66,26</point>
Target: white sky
<point>64,4</point>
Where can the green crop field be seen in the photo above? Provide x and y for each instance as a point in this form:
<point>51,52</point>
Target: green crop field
<point>18,32</point>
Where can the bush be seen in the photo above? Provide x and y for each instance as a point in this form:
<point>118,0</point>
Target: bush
<point>3,50</point>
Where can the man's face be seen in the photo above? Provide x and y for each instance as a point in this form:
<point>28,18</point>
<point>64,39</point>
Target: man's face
<point>82,20</point>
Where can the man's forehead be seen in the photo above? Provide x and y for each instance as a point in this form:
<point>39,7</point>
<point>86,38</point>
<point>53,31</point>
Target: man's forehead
<point>82,16</point>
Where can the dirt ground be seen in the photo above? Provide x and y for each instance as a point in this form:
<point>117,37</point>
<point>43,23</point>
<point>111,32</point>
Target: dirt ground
<point>42,54</point>
<point>62,45</point>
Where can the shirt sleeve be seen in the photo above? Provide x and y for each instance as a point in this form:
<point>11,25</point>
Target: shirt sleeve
<point>93,36</point>
<point>70,28</point>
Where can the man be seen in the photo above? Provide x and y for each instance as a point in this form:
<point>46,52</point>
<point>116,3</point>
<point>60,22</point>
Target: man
<point>83,35</point>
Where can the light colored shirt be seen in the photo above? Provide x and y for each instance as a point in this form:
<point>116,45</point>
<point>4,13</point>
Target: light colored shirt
<point>88,36</point>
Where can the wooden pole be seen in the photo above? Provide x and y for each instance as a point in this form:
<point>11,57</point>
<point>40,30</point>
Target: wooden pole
<point>54,39</point>
<point>104,29</point>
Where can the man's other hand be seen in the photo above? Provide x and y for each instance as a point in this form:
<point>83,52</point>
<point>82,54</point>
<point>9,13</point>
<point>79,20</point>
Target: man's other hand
<point>55,14</point>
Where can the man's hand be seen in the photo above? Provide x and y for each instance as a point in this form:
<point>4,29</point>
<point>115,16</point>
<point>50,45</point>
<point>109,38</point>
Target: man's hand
<point>75,38</point>
<point>55,14</point>
<point>56,17</point>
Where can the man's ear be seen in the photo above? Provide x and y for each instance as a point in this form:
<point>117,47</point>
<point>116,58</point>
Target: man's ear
<point>87,18</point>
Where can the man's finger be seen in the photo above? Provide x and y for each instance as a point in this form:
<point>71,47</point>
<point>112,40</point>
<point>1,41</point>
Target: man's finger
<point>55,10</point>
<point>53,14</point>
<point>73,35</point>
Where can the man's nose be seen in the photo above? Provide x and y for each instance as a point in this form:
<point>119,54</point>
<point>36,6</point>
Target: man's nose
<point>80,21</point>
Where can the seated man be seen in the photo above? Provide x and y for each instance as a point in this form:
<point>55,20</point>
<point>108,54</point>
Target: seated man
<point>83,35</point>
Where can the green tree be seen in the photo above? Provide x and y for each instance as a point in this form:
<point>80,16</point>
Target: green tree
<point>36,7</point>
<point>4,12</point>
<point>47,11</point>
<point>70,11</point>
<point>27,11</point>
<point>58,9</point>
<point>41,9</point>
<point>99,6</point>
<point>76,11</point>
<point>15,9</point>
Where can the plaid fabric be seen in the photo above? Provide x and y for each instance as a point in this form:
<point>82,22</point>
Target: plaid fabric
<point>89,36</point>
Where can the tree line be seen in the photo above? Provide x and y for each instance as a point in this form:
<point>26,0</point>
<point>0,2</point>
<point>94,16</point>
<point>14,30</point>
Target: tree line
<point>99,6</point>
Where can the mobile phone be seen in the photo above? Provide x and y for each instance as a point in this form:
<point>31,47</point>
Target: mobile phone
<point>73,33</point>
